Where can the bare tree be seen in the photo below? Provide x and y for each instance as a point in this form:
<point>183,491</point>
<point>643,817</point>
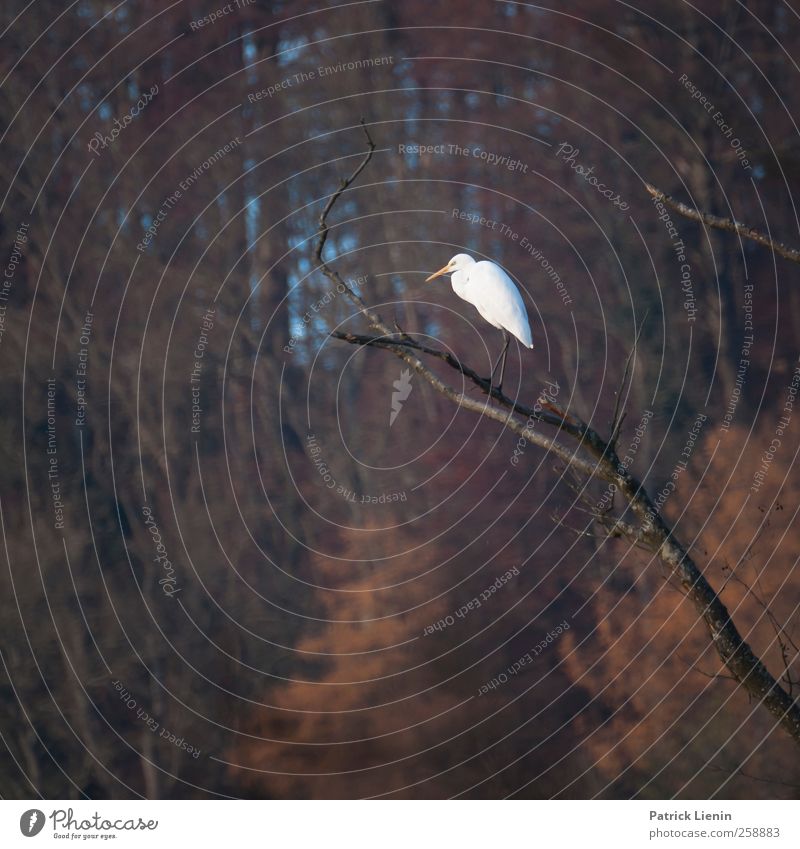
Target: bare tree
<point>591,458</point>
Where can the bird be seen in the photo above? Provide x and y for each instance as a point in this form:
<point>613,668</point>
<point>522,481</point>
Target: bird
<point>492,292</point>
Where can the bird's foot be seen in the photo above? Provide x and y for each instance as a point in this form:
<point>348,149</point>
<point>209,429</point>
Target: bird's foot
<point>493,391</point>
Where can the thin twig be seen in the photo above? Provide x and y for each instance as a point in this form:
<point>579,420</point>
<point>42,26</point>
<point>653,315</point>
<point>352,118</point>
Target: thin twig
<point>324,229</point>
<point>724,224</point>
<point>781,635</point>
<point>744,774</point>
<point>713,676</point>
<point>617,419</point>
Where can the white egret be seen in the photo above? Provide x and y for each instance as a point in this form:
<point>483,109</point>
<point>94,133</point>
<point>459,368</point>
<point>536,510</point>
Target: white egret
<point>492,292</point>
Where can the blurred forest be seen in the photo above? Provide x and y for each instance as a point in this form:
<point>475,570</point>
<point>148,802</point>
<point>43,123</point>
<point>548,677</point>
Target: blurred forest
<point>222,567</point>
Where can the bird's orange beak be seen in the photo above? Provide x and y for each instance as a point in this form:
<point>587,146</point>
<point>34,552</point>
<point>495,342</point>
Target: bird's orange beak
<point>439,273</point>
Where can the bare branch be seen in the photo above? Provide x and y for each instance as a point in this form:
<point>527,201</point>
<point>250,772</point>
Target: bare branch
<point>603,463</point>
<point>752,777</point>
<point>619,417</point>
<point>724,224</point>
<point>556,419</point>
<point>402,349</point>
<point>329,272</point>
<point>781,635</point>
<point>714,676</point>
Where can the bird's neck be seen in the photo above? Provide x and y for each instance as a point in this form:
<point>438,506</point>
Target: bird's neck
<point>459,280</point>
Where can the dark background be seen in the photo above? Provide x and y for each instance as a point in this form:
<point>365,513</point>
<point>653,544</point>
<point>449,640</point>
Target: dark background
<point>286,639</point>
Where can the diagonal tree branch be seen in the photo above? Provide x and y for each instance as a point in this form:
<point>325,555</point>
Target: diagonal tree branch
<point>724,224</point>
<point>560,421</point>
<point>595,459</point>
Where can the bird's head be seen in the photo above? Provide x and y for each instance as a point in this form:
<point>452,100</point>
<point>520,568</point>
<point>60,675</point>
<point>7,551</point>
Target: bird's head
<point>458,263</point>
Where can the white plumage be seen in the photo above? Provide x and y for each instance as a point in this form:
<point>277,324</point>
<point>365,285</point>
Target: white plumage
<point>492,292</point>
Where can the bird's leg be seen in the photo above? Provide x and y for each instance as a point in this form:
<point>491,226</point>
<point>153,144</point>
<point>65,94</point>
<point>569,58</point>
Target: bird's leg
<point>506,341</point>
<point>501,358</point>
